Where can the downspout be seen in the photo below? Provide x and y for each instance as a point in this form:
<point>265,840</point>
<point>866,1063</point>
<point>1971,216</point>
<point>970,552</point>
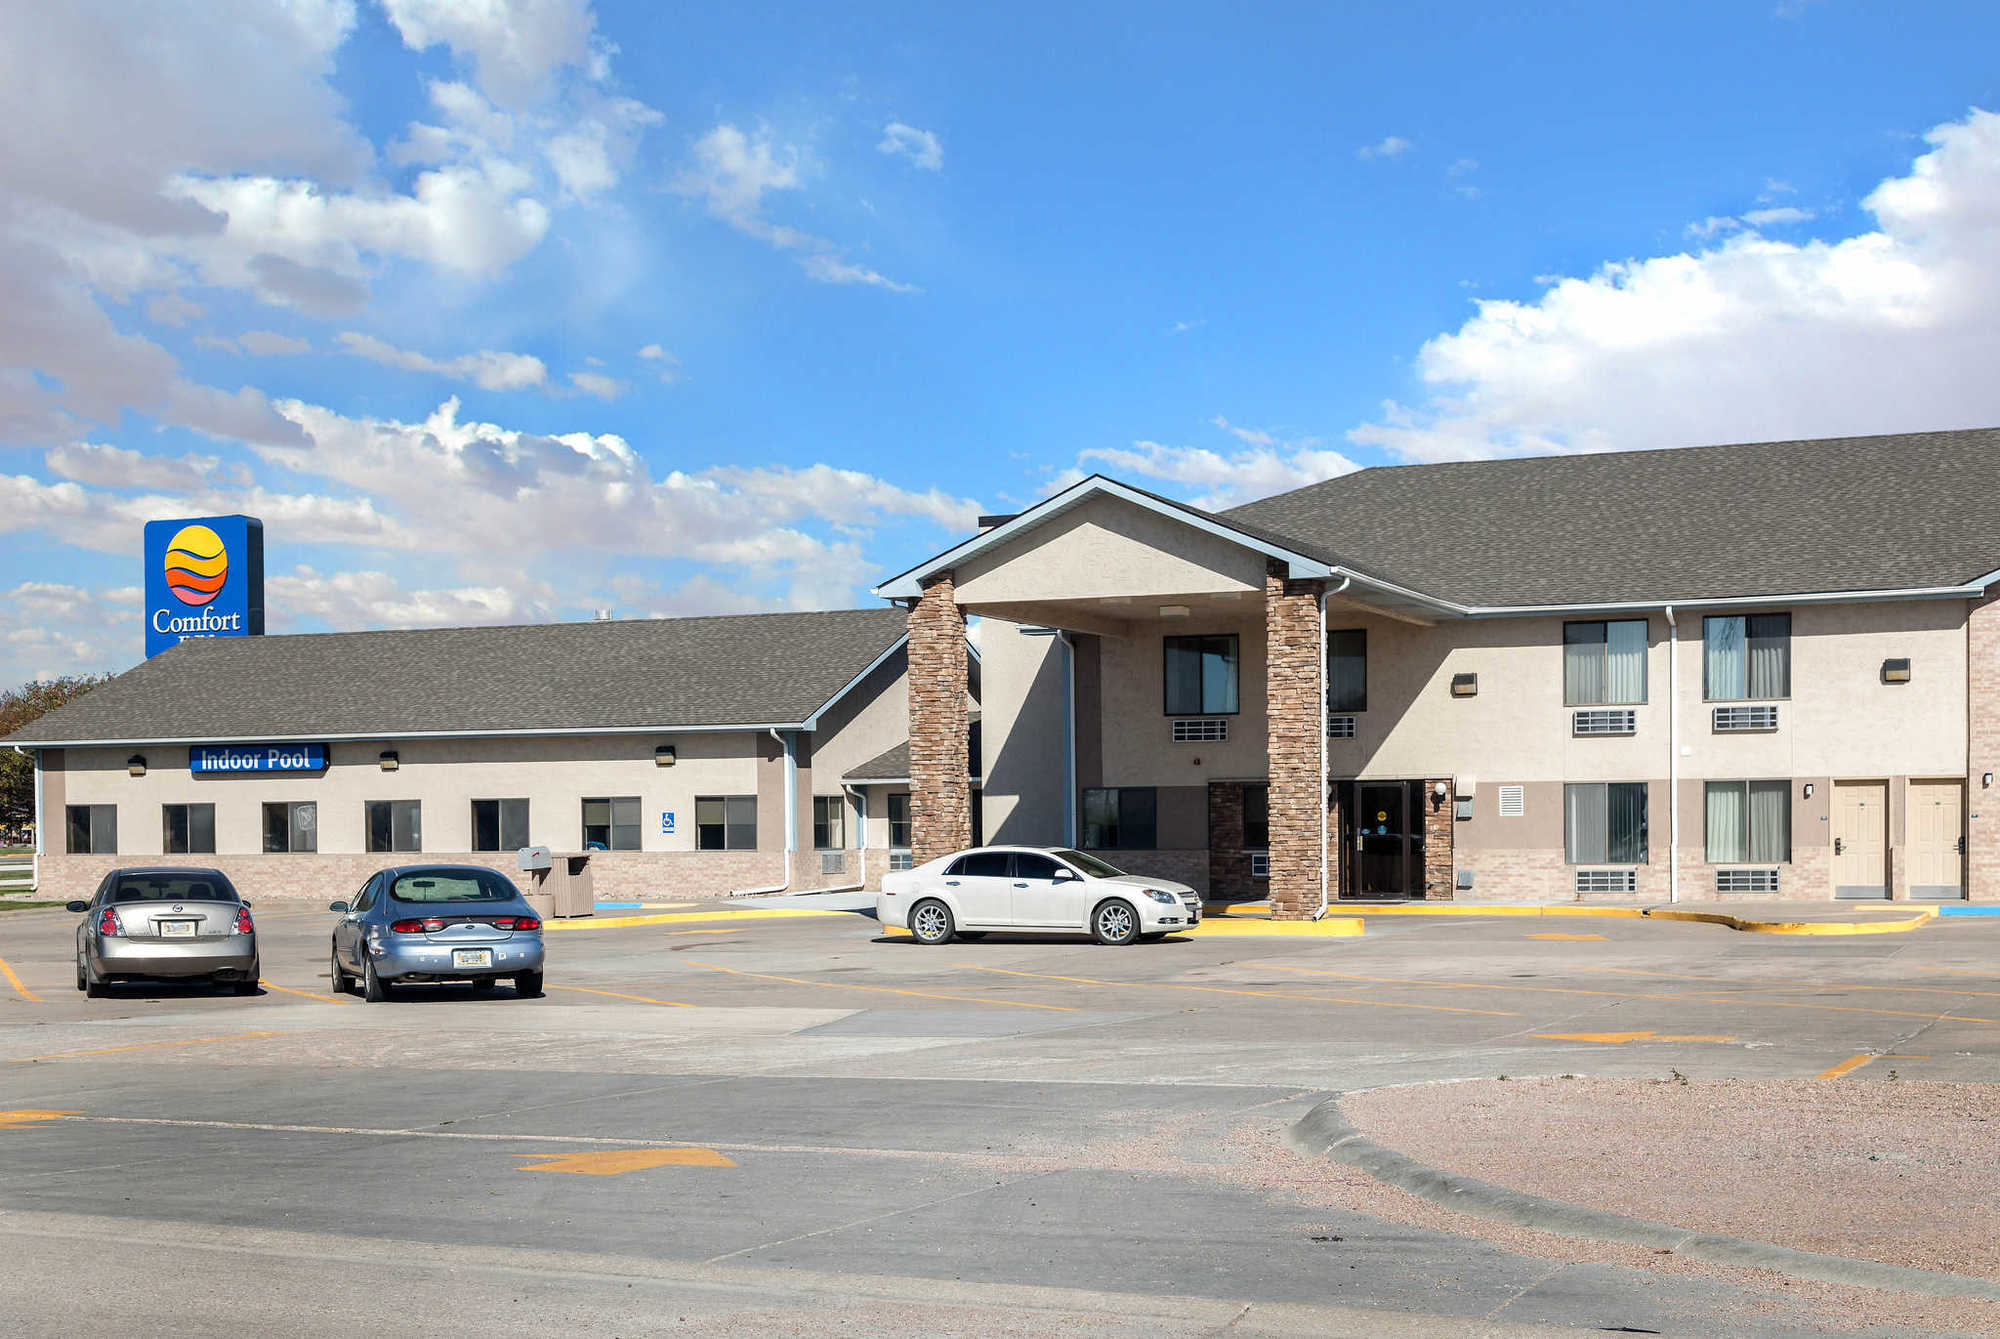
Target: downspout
<point>861,825</point>
<point>36,857</point>
<point>789,742</point>
<point>1673,756</point>
<point>1324,874</point>
<point>1069,738</point>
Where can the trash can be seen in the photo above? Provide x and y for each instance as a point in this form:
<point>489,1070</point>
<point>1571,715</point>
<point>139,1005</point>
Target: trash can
<point>568,878</point>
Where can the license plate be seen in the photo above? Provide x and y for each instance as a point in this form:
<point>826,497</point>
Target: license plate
<point>176,929</point>
<point>472,957</point>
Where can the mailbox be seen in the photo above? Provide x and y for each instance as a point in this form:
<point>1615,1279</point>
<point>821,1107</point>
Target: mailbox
<point>536,857</point>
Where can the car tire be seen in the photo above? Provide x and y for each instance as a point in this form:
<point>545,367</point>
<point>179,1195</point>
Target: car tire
<point>483,983</point>
<point>343,984</point>
<point>248,985</point>
<point>88,983</point>
<point>528,985</point>
<point>931,922</point>
<point>373,988</point>
<point>1114,923</point>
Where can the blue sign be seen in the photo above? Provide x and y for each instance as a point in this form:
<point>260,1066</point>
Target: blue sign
<point>666,822</point>
<point>204,578</point>
<point>214,759</point>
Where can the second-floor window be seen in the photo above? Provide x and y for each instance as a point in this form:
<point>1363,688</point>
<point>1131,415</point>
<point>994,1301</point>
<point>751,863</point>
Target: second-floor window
<point>1347,670</point>
<point>1201,675</point>
<point>1120,818</point>
<point>1604,663</point>
<point>1604,823</point>
<point>1746,657</point>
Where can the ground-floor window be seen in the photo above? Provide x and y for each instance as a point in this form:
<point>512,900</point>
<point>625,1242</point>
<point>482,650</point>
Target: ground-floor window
<point>899,819</point>
<point>1604,823</point>
<point>1256,818</point>
<point>829,822</point>
<point>93,829</point>
<point>725,822</point>
<point>1748,822</point>
<point>291,827</point>
<point>187,829</point>
<point>610,824</point>
<point>1120,818</point>
<point>394,825</point>
<point>500,825</point>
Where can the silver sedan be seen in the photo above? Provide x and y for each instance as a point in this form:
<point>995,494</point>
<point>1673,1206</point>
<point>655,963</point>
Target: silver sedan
<point>437,923</point>
<point>171,922</point>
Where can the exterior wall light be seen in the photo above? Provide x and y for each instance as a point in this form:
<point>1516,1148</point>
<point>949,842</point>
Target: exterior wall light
<point>1896,671</point>
<point>664,756</point>
<point>1986,782</point>
<point>1809,790</point>
<point>1174,611</point>
<point>1465,685</point>
<point>390,762</point>
<point>136,764</point>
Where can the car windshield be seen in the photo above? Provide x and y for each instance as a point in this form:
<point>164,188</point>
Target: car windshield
<point>453,885</point>
<point>173,888</point>
<point>1089,864</point>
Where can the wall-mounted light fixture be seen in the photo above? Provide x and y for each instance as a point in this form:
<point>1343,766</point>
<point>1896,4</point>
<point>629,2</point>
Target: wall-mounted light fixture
<point>136,764</point>
<point>1174,611</point>
<point>1465,685</point>
<point>1809,790</point>
<point>1986,782</point>
<point>1896,670</point>
<point>664,756</point>
<point>390,762</point>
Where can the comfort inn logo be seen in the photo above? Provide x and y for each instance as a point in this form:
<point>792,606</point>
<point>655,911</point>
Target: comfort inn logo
<point>197,565</point>
<point>204,578</point>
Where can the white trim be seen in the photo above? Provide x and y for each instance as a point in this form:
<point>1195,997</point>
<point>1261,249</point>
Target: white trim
<point>908,585</point>
<point>974,781</point>
<point>812,721</point>
<point>1641,606</point>
<point>566,732</point>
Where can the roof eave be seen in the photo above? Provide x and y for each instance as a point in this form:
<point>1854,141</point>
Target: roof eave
<point>564,732</point>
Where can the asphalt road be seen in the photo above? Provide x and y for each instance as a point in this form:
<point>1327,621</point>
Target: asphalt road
<point>731,1125</point>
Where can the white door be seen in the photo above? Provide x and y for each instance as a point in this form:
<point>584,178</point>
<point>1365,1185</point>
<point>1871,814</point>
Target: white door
<point>1042,899</point>
<point>981,884</point>
<point>1936,830</point>
<point>1861,839</point>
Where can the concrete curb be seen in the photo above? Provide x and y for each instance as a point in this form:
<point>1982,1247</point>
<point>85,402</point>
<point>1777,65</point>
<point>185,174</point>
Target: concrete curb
<point>1254,911</point>
<point>1325,1132</point>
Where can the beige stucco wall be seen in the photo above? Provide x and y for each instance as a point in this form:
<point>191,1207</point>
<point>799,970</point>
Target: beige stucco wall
<point>1108,549</point>
<point>868,722</point>
<point>1136,737</point>
<point>1021,734</point>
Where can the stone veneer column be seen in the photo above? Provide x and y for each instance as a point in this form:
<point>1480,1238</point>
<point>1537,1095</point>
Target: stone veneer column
<point>1982,752</point>
<point>1296,739</point>
<point>1438,818</point>
<point>940,762</point>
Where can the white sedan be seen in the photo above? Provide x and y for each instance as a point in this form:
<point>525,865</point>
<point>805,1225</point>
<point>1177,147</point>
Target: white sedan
<point>1032,889</point>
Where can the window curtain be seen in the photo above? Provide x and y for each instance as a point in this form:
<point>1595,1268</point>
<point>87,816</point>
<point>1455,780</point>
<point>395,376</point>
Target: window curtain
<point>1727,823</point>
<point>1724,668</point>
<point>1625,806</point>
<point>1218,674</point>
<point>1183,676</point>
<point>1583,664</point>
<point>1770,821</point>
<point>1347,671</point>
<point>1585,824</point>
<point>1770,655</point>
<point>1625,662</point>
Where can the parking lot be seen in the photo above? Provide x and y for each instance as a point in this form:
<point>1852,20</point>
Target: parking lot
<point>722,1121</point>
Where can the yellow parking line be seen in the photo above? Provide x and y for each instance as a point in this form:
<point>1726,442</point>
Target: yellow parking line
<point>331,999</point>
<point>1262,994</point>
<point>884,990</point>
<point>15,981</point>
<point>143,1046</point>
<point>586,990</point>
<point>1768,984</point>
<point>1847,1066</point>
<point>612,1161</point>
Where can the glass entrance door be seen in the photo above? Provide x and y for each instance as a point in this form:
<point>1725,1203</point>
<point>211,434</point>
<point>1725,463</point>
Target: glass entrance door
<point>1381,830</point>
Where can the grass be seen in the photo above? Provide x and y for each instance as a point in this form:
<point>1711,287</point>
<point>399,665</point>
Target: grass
<point>11,904</point>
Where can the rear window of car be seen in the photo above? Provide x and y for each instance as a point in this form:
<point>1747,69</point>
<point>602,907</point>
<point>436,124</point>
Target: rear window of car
<point>458,885</point>
<point>981,865</point>
<point>173,888</point>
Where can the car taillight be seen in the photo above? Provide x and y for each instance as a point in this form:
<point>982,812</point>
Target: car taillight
<point>243,924</point>
<point>407,927</point>
<point>516,923</point>
<point>107,924</point>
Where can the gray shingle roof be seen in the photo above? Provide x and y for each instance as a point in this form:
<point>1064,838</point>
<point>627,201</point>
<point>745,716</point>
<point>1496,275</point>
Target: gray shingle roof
<point>891,766</point>
<point>745,669</point>
<point>1909,511</point>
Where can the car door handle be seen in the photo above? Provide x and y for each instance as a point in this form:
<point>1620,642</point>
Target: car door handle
<point>951,883</point>
<point>1020,885</point>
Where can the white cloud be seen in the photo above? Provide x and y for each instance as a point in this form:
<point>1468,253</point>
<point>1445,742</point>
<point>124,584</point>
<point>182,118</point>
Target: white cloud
<point>1215,479</point>
<point>269,343</point>
<point>596,383</point>
<point>514,46</point>
<point>921,147</point>
<point>58,628</point>
<point>489,369</point>
<point>349,600</point>
<point>117,467</point>
<point>1182,327</point>
<point>732,174</point>
<point>667,366</point>
<point>1890,330</point>
<point>1765,218</point>
<point>172,309</point>
<point>1391,146</point>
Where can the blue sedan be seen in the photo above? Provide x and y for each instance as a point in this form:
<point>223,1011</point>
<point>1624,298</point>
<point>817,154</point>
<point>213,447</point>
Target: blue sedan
<point>437,923</point>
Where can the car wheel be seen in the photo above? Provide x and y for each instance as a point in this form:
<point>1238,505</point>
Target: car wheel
<point>1115,922</point>
<point>343,984</point>
<point>88,982</point>
<point>483,982</point>
<point>930,922</point>
<point>248,985</point>
<point>528,985</point>
<point>373,988</point>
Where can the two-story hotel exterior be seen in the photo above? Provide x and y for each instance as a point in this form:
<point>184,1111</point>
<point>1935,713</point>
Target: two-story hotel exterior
<point>1732,672</point>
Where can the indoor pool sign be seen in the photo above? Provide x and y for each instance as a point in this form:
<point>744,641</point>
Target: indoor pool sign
<point>204,578</point>
<point>209,759</point>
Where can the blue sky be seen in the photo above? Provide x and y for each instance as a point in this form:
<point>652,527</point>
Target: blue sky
<point>515,310</point>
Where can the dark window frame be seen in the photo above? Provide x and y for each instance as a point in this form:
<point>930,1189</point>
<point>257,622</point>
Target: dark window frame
<point>1644,837</point>
<point>730,829</point>
<point>1261,826</point>
<point>1604,640</point>
<point>290,827</point>
<point>1768,619</point>
<point>1235,656</point>
<point>829,812</point>
<point>389,809</point>
<point>1782,786</point>
<point>1141,817</point>
<point>501,808</point>
<point>1334,706</point>
<point>190,835</point>
<point>889,807</point>
<point>92,814</point>
<point>618,835</point>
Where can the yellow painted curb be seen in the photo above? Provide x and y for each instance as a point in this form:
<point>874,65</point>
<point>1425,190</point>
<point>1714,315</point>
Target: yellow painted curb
<point>1254,911</point>
<point>682,917</point>
<point>1902,925</point>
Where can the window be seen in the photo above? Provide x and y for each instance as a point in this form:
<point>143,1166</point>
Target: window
<point>899,818</point>
<point>981,865</point>
<point>1028,866</point>
<point>93,829</point>
<point>431,887</point>
<point>1748,822</point>
<point>1120,819</point>
<point>394,825</point>
<point>725,823</point>
<point>829,822</point>
<point>187,829</point>
<point>1605,823</point>
<point>1347,670</point>
<point>1746,656</point>
<point>1604,664</point>
<point>1256,818</point>
<point>1201,676</point>
<point>611,824</point>
<point>499,825</point>
<point>198,887</point>
<point>291,827</point>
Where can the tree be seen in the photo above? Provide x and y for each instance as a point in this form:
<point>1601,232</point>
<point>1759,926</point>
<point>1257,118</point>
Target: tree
<point>19,706</point>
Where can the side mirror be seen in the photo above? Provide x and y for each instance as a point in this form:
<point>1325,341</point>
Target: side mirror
<point>1066,875</point>
<point>336,906</point>
<point>76,906</point>
<point>246,901</point>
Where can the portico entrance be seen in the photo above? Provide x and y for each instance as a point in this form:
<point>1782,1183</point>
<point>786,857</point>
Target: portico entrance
<point>1384,833</point>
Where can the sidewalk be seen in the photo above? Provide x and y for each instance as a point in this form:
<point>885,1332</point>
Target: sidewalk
<point>1796,918</point>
